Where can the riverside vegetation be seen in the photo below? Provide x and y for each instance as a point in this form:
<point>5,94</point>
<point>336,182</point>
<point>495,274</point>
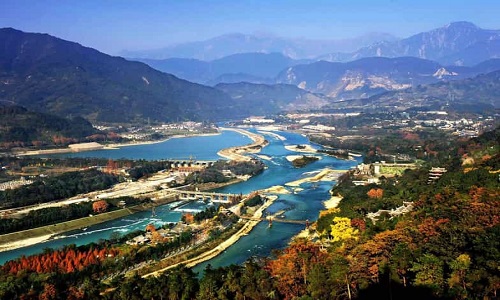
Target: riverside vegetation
<point>445,248</point>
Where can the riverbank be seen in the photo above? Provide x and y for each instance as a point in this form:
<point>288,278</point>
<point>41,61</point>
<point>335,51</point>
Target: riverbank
<point>33,236</point>
<point>81,147</point>
<point>247,227</point>
<point>238,153</point>
<point>14,240</point>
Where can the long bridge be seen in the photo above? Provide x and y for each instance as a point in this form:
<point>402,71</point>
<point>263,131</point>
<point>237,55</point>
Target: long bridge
<point>279,220</point>
<point>195,195</point>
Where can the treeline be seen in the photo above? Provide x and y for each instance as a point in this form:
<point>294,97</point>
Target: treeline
<point>251,168</point>
<point>66,260</point>
<point>206,176</point>
<point>144,168</point>
<point>54,215</point>
<point>55,188</point>
<point>256,200</point>
<point>45,216</point>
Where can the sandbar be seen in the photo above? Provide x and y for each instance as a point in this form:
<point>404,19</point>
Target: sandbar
<point>237,153</point>
<point>277,189</point>
<point>301,148</point>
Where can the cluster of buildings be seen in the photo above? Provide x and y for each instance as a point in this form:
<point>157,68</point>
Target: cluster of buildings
<point>15,183</point>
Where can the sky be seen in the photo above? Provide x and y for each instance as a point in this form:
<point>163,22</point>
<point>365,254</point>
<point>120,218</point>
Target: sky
<point>115,25</point>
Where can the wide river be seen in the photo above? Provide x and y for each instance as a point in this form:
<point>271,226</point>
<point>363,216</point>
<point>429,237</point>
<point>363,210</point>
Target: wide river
<point>262,239</point>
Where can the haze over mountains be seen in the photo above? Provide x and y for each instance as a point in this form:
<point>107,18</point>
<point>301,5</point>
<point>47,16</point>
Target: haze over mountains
<point>46,74</point>
<point>253,67</point>
<point>235,43</point>
<point>458,43</point>
<point>440,51</point>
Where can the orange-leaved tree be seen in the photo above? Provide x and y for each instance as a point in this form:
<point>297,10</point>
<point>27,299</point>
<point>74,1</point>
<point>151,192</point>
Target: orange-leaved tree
<point>100,206</point>
<point>292,266</point>
<point>375,193</point>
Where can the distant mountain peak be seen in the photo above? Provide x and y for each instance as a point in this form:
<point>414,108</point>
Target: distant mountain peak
<point>461,24</point>
<point>457,43</point>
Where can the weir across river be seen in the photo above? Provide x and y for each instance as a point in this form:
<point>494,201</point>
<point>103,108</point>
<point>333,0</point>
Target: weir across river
<point>211,196</point>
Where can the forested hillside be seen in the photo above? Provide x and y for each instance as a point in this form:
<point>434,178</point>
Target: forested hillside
<point>21,128</point>
<point>47,74</point>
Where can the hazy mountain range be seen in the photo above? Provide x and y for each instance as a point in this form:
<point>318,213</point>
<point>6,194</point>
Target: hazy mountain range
<point>265,99</point>
<point>49,75</point>
<point>430,57</point>
<point>458,43</point>
<point>253,67</point>
<point>235,43</point>
<point>46,74</point>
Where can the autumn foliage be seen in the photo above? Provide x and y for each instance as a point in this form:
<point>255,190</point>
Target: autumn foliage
<point>375,193</point>
<point>100,206</point>
<point>65,261</point>
<point>291,268</point>
<point>188,218</point>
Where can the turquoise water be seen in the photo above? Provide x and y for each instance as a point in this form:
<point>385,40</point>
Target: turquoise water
<point>262,240</point>
<point>195,147</point>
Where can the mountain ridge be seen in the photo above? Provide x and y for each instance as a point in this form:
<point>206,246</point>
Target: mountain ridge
<point>457,43</point>
<point>51,75</point>
<point>234,43</point>
<point>373,75</point>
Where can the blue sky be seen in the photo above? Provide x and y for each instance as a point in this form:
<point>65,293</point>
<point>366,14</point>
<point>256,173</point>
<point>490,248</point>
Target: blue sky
<point>114,25</point>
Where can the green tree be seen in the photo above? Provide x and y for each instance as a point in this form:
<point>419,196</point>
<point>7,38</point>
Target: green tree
<point>429,272</point>
<point>457,281</point>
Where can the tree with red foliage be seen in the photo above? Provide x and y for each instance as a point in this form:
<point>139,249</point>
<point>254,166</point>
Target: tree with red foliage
<point>100,206</point>
<point>49,292</point>
<point>375,193</point>
<point>291,268</point>
<point>66,261</point>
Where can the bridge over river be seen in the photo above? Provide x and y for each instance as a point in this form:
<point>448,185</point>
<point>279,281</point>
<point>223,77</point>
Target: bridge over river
<point>210,196</point>
<point>279,220</point>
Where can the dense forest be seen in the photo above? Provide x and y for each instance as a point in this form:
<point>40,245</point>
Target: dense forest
<point>444,246</point>
<point>54,215</point>
<point>22,128</point>
<point>55,188</point>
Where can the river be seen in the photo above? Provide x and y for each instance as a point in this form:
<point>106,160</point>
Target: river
<point>262,240</point>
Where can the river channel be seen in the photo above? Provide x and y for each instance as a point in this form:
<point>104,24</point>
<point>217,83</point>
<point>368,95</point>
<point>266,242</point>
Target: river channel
<point>298,205</point>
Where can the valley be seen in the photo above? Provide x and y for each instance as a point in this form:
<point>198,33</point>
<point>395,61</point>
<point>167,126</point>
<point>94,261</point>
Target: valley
<point>193,160</point>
